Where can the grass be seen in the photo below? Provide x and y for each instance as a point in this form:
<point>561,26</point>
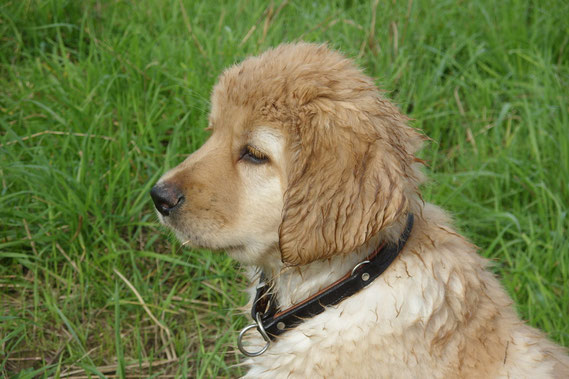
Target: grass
<point>99,98</point>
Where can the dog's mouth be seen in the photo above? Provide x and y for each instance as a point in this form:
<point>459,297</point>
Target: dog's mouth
<point>185,235</point>
<point>190,234</point>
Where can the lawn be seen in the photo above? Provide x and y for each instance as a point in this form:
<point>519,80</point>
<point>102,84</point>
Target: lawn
<point>99,97</point>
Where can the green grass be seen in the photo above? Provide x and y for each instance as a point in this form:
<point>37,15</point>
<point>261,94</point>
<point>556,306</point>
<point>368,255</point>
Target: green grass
<point>99,98</point>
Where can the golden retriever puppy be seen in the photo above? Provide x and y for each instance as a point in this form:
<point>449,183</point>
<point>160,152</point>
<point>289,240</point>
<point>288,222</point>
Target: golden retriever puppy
<point>309,177</point>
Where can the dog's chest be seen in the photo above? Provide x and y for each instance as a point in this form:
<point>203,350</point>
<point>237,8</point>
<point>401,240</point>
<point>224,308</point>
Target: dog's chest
<point>361,335</point>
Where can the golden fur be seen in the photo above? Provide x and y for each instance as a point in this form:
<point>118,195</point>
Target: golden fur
<point>307,169</point>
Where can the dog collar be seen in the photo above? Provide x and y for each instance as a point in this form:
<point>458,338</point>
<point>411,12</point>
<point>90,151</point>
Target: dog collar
<point>271,324</point>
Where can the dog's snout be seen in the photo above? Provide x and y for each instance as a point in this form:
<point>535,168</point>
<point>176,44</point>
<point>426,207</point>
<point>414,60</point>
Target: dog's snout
<point>166,197</point>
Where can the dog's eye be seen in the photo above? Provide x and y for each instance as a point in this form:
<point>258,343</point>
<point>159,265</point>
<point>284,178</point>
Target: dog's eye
<point>252,154</point>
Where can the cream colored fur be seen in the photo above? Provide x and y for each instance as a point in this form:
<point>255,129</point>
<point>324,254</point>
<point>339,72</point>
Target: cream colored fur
<point>340,176</point>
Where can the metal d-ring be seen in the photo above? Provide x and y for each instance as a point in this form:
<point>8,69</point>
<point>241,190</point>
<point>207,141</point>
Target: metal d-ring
<point>358,266</point>
<point>259,325</point>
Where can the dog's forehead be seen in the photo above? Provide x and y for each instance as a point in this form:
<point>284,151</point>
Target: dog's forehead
<point>226,116</point>
<point>250,116</point>
<point>242,122</point>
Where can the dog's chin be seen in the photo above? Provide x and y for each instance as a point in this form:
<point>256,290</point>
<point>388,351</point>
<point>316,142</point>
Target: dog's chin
<point>188,238</point>
<point>197,240</point>
<point>250,254</point>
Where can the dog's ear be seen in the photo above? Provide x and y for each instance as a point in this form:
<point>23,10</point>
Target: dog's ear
<point>351,173</point>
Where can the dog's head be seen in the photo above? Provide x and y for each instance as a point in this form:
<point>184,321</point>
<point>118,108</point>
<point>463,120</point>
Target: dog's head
<point>305,158</point>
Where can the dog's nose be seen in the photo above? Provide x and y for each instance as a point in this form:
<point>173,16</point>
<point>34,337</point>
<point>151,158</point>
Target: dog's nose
<point>166,197</point>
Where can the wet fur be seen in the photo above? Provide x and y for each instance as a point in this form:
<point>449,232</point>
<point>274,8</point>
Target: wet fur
<point>340,177</point>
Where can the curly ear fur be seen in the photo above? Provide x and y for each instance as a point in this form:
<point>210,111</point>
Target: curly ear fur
<point>351,169</point>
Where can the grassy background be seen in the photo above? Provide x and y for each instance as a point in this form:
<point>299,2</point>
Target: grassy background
<point>99,98</point>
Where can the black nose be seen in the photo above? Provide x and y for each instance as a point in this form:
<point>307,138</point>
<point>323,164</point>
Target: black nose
<point>166,197</point>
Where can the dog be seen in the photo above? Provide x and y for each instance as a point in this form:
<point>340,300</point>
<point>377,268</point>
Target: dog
<point>310,179</point>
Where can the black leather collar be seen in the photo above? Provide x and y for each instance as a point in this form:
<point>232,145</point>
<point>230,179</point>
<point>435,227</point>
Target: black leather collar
<point>272,324</point>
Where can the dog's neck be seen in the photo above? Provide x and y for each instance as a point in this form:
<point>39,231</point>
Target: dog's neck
<point>292,285</point>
